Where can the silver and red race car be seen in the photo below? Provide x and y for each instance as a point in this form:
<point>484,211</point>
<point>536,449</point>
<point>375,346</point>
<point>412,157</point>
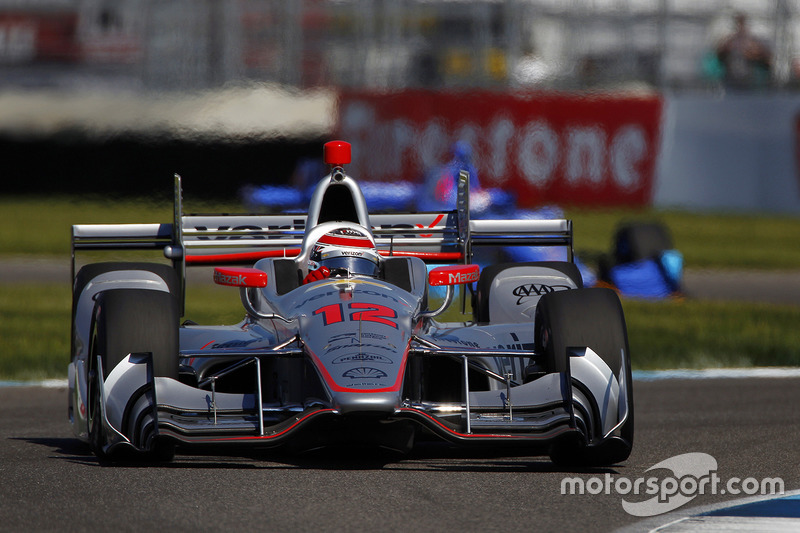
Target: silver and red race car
<point>351,333</point>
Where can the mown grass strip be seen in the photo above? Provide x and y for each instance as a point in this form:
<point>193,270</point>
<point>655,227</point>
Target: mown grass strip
<point>706,240</point>
<point>35,322</point>
<point>41,226</point>
<point>704,334</point>
<point>35,325</point>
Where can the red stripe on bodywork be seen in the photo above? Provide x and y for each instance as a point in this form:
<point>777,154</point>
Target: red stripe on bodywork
<point>352,242</point>
<point>276,435</point>
<point>241,257</point>
<point>250,257</point>
<point>509,436</point>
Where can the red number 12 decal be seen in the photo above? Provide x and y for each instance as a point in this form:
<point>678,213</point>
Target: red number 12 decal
<point>332,314</point>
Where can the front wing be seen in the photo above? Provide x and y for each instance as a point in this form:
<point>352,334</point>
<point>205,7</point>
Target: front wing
<point>586,402</point>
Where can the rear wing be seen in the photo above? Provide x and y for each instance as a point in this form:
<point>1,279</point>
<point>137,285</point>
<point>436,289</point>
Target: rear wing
<point>443,237</point>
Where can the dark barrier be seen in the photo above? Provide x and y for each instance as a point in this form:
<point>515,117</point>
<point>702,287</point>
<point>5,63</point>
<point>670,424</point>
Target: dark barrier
<point>74,163</point>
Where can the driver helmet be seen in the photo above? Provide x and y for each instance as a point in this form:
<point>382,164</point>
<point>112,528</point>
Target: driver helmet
<point>346,252</point>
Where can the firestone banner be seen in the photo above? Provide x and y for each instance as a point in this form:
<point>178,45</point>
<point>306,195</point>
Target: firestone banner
<point>546,148</point>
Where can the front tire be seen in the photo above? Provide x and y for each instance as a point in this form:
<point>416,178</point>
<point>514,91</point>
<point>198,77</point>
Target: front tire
<point>131,321</point>
<point>593,318</point>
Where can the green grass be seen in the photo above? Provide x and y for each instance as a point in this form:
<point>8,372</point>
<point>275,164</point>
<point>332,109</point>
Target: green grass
<point>707,241</point>
<point>34,326</point>
<point>696,334</point>
<point>34,319</point>
<point>41,226</point>
<point>36,226</point>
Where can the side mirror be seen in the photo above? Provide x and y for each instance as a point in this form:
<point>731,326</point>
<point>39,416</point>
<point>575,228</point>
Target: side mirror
<point>454,275</point>
<point>450,276</point>
<point>246,279</point>
<point>240,277</point>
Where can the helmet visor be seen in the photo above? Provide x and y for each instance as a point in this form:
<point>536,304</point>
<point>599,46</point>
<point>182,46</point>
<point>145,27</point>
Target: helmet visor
<point>352,263</point>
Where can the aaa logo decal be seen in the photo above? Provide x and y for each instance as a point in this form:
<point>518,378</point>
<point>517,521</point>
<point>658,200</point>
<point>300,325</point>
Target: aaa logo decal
<point>534,289</point>
<point>363,372</point>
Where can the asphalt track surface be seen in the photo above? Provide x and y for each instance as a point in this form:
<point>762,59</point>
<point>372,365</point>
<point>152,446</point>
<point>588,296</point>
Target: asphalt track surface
<point>50,481</point>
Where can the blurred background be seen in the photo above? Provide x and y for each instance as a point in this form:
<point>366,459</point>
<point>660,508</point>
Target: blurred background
<point>630,102</point>
<point>680,112</point>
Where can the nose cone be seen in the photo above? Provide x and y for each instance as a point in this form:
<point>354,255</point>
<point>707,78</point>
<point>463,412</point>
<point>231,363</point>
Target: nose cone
<point>373,402</point>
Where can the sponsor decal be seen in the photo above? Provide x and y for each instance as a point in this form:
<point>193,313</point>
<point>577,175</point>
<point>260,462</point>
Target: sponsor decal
<point>224,279</point>
<point>377,336</point>
<point>362,358</point>
<point>232,344</point>
<point>454,275</point>
<point>462,277</point>
<point>364,372</point>
<point>298,224</point>
<point>353,337</point>
<point>362,345</point>
<point>452,339</point>
<point>432,225</point>
<point>530,290</point>
<point>548,148</point>
<point>240,277</point>
<point>270,231</point>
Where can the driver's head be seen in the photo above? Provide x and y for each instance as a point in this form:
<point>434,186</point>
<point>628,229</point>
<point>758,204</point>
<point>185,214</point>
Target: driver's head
<point>346,252</point>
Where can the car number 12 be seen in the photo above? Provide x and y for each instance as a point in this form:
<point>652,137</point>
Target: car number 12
<point>334,313</point>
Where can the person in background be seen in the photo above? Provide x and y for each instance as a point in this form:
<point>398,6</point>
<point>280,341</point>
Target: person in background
<point>747,60</point>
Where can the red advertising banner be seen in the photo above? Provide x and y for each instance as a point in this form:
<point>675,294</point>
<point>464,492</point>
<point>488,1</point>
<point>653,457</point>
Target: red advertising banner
<point>34,36</point>
<point>545,147</point>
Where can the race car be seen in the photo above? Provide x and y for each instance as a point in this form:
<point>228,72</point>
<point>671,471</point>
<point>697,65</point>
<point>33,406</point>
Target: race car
<point>341,341</point>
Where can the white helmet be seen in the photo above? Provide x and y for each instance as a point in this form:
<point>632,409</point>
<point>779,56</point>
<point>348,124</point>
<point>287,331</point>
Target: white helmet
<point>346,252</point>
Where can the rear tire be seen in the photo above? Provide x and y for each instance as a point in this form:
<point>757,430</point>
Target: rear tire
<point>88,272</point>
<point>593,318</point>
<point>131,321</point>
<point>635,241</point>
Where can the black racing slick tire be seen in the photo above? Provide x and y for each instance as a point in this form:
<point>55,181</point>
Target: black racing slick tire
<point>635,241</point>
<point>89,272</point>
<point>594,318</point>
<point>131,321</point>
